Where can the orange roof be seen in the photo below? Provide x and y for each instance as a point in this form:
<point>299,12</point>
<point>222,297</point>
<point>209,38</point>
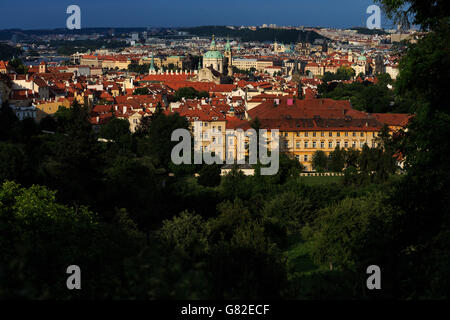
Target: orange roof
<point>393,119</point>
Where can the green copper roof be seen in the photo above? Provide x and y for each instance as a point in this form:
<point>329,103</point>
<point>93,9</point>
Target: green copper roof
<point>213,55</point>
<point>213,44</point>
<point>228,46</point>
<point>152,65</point>
<point>362,58</point>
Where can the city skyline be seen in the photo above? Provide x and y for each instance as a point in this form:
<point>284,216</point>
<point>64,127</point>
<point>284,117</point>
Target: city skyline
<point>323,13</point>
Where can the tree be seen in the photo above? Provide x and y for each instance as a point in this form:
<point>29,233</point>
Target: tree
<point>18,66</point>
<point>234,184</point>
<point>133,185</point>
<point>9,123</point>
<point>116,130</point>
<point>320,161</point>
<point>141,91</point>
<point>40,238</point>
<point>244,262</point>
<point>159,137</point>
<point>343,73</point>
<point>188,93</point>
<point>48,123</point>
<point>73,155</point>
<point>210,175</point>
<point>423,193</point>
<point>426,13</point>
<point>365,96</point>
<point>286,214</point>
<point>13,162</point>
<point>354,234</point>
<point>337,159</point>
<point>186,232</point>
<point>351,157</point>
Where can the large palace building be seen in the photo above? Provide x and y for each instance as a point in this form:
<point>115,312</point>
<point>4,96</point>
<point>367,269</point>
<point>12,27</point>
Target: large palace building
<point>305,126</point>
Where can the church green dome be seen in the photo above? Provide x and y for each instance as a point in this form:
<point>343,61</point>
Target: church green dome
<point>362,58</point>
<point>213,55</point>
<point>228,46</point>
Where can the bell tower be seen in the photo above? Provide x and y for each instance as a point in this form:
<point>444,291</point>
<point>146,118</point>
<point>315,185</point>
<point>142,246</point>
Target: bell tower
<point>43,67</point>
<point>229,58</point>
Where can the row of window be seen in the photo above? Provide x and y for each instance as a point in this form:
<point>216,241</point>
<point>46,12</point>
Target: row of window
<point>214,128</point>
<point>305,157</point>
<point>330,134</point>
<point>306,144</point>
<point>331,145</point>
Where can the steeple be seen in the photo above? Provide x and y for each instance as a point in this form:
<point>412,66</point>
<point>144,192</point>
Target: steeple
<point>228,46</point>
<point>152,69</point>
<point>213,44</point>
<point>229,58</point>
<point>231,112</point>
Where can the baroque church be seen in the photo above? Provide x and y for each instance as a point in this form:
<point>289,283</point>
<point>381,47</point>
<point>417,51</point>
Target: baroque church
<point>216,65</point>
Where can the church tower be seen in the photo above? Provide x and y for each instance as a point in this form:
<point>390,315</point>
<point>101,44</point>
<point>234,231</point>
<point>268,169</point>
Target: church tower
<point>152,69</point>
<point>43,67</point>
<point>213,58</point>
<point>229,58</point>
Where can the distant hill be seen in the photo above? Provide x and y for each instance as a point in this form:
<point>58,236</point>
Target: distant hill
<point>7,34</point>
<point>363,30</point>
<point>262,34</point>
<point>7,52</point>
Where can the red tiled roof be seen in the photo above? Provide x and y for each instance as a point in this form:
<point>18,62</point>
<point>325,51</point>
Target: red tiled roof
<point>393,119</point>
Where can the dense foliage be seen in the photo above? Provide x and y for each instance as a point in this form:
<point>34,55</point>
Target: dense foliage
<point>366,96</point>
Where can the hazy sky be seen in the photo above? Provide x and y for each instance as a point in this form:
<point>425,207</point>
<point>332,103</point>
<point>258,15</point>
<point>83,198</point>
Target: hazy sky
<point>40,14</point>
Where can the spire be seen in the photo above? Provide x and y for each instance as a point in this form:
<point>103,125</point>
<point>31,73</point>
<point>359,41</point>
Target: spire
<point>152,65</point>
<point>213,43</point>
<point>228,46</point>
